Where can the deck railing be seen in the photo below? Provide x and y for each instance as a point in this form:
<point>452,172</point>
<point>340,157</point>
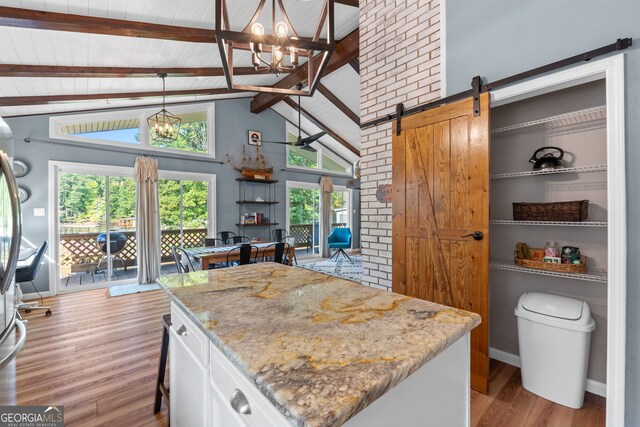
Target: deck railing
<point>303,233</point>
<point>79,252</point>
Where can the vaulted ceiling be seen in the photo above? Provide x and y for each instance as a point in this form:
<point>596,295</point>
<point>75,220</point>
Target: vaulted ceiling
<point>76,55</point>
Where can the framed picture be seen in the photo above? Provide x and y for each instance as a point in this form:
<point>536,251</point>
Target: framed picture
<point>255,138</point>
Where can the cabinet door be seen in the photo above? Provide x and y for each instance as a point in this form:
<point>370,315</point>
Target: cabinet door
<point>188,384</point>
<point>221,414</point>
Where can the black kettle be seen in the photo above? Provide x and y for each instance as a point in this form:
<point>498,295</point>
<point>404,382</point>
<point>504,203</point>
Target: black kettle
<point>548,161</point>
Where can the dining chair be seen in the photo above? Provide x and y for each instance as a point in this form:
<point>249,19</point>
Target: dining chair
<point>279,234</point>
<point>179,253</point>
<point>238,239</point>
<point>246,251</point>
<point>291,241</point>
<point>224,235</point>
<point>279,250</point>
<point>213,241</point>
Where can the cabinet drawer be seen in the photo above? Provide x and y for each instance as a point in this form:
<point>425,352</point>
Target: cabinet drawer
<point>227,379</point>
<point>189,334</point>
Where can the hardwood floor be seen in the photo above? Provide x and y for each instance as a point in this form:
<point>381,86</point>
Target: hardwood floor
<point>98,357</point>
<point>508,404</point>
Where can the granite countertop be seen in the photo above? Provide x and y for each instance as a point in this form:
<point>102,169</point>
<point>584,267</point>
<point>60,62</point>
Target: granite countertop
<point>320,348</point>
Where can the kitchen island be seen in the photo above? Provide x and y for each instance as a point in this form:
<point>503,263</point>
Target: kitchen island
<point>271,345</point>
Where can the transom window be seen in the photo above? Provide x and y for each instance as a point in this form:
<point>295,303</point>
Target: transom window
<point>129,128</point>
<point>321,159</point>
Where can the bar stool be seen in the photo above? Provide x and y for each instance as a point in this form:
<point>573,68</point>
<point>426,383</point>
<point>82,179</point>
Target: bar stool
<point>161,389</point>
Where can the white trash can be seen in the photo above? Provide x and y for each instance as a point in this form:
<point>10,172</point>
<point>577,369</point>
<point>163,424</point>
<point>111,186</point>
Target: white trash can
<point>554,334</point>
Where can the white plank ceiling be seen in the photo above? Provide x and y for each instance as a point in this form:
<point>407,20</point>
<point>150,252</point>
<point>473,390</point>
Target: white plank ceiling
<point>45,47</point>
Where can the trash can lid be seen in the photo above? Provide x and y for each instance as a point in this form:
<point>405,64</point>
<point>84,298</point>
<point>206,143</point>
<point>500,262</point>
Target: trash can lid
<point>553,305</point>
<point>555,310</point>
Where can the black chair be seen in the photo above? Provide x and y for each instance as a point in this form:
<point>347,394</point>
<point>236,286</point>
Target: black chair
<point>238,239</point>
<point>180,265</point>
<point>29,274</point>
<point>280,249</point>
<point>279,234</point>
<point>224,235</point>
<point>291,241</point>
<point>247,252</point>
<point>214,241</point>
<point>117,242</point>
<point>161,389</point>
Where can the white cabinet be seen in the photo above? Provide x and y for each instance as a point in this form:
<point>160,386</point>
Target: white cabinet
<point>188,373</point>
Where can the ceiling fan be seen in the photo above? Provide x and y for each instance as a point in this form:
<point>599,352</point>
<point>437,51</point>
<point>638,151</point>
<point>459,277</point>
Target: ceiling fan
<point>302,143</point>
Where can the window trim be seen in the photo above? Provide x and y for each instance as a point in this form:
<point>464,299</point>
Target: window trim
<point>57,122</point>
<point>320,152</point>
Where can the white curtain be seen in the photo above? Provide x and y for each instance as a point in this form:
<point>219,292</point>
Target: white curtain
<point>326,188</point>
<point>147,219</point>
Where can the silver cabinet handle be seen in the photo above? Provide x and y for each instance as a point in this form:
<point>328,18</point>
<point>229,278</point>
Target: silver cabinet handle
<point>239,403</point>
<point>182,330</point>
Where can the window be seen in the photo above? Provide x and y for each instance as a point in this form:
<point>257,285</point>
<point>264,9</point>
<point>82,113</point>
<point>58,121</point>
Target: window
<point>129,128</point>
<point>322,158</point>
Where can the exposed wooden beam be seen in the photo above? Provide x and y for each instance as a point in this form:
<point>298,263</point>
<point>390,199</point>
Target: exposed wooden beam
<point>339,104</point>
<point>19,70</point>
<point>354,3</point>
<point>322,126</point>
<point>355,64</point>
<point>52,99</point>
<point>345,50</point>
<point>42,20</point>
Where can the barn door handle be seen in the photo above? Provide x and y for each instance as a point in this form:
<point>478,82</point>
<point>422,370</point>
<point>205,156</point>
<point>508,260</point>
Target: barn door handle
<point>477,235</point>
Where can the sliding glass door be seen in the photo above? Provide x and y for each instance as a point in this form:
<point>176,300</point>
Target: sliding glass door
<point>96,227</point>
<point>304,214</point>
<point>185,210</point>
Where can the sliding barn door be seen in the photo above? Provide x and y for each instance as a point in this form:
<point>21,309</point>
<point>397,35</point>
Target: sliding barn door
<point>441,215</point>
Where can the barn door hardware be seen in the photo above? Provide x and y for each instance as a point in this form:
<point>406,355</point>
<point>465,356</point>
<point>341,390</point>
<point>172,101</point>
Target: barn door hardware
<point>399,111</point>
<point>478,87</point>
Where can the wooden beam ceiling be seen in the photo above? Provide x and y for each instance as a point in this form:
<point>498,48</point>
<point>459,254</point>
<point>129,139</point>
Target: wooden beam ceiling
<point>19,70</point>
<point>322,126</point>
<point>52,99</point>
<point>355,64</point>
<point>42,20</point>
<point>345,50</point>
<point>338,104</point>
<point>354,3</point>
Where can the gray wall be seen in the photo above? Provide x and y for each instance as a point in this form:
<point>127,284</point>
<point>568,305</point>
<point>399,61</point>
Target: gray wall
<point>496,39</point>
<point>233,121</point>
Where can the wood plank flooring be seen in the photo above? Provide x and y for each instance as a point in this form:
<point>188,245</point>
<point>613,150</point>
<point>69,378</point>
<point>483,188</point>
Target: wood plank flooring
<point>98,356</point>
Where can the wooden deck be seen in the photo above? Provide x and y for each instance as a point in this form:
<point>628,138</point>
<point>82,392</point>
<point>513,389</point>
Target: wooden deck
<point>98,356</point>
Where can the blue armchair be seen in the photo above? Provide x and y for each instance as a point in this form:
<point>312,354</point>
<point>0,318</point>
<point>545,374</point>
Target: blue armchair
<point>340,239</point>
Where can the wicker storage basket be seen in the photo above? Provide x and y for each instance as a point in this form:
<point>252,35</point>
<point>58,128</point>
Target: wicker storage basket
<point>576,210</point>
<point>537,263</point>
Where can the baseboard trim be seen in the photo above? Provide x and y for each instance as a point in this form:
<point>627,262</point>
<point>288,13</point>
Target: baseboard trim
<point>35,296</point>
<point>594,387</point>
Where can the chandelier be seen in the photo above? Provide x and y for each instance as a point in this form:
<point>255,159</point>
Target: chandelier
<point>163,126</point>
<point>281,50</point>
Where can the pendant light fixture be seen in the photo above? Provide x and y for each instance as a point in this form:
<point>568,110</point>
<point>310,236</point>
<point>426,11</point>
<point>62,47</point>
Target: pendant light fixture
<point>279,49</point>
<point>163,126</point>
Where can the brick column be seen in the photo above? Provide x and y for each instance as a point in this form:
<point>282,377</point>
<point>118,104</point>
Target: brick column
<point>399,62</point>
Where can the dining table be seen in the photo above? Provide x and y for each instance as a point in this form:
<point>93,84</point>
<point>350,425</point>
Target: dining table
<point>216,254</point>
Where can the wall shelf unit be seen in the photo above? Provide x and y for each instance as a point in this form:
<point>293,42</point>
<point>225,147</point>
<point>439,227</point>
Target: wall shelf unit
<point>573,121</point>
<point>525,174</point>
<point>264,189</point>
<point>550,223</point>
<point>600,277</point>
